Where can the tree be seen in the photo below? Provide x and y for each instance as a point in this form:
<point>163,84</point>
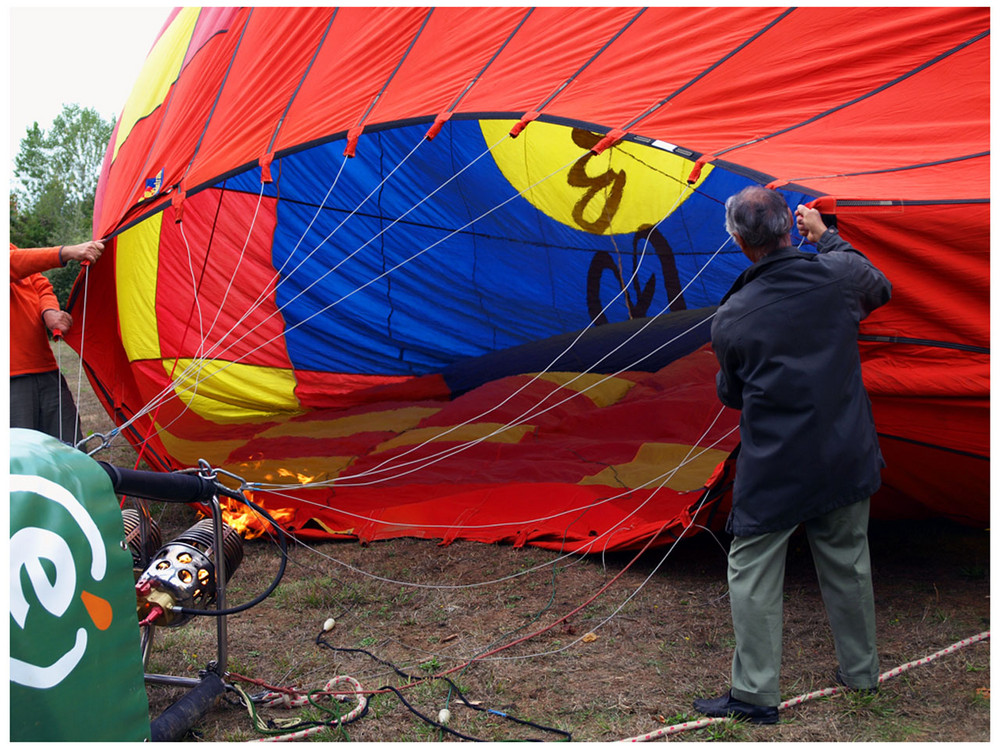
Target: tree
<point>52,202</point>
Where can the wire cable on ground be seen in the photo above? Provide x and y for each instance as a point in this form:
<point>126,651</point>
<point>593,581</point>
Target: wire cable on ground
<point>290,697</point>
<point>826,692</point>
<point>286,730</point>
<point>413,680</point>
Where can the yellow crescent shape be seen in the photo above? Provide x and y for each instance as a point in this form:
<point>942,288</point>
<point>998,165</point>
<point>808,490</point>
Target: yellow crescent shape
<point>615,192</point>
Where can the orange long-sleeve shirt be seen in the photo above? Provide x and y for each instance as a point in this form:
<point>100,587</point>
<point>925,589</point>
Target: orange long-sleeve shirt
<point>31,295</point>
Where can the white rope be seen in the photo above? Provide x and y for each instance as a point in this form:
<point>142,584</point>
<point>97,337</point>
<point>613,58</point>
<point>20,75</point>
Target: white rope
<point>618,609</point>
<point>59,384</point>
<point>580,553</point>
<point>799,700</point>
<point>232,277</point>
<point>389,271</point>
<point>426,461</point>
<point>196,365</point>
<point>403,262</point>
<point>287,277</point>
<point>525,416</point>
<point>332,686</point>
<point>197,361</point>
<point>395,462</point>
<point>312,221</point>
<point>171,391</point>
<point>194,282</point>
<point>215,350</point>
<point>665,477</point>
<point>444,453</point>
<point>79,372</point>
<point>350,480</point>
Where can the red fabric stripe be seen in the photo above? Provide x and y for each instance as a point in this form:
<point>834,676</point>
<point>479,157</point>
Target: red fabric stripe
<point>230,291</point>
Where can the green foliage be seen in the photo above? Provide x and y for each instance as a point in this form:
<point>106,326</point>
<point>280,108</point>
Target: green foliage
<point>52,196</point>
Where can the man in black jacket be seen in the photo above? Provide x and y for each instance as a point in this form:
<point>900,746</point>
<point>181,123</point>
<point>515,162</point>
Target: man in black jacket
<point>786,339</point>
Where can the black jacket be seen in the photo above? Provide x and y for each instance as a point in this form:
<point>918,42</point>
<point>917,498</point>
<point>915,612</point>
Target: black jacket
<point>786,339</point>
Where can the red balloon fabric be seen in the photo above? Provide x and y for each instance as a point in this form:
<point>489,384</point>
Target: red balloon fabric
<point>449,272</point>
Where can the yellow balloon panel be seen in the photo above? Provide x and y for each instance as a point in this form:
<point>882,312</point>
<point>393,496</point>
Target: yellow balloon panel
<point>227,392</point>
<point>614,192</point>
<point>158,72</point>
<point>136,263</point>
<point>682,468</point>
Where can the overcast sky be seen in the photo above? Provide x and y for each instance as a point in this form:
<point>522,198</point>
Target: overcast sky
<point>74,54</point>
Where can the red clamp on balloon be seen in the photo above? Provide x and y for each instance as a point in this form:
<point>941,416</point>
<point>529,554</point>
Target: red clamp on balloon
<point>696,171</point>
<point>177,201</point>
<point>265,168</point>
<point>352,141</point>
<point>608,141</point>
<point>439,122</point>
<point>523,123</point>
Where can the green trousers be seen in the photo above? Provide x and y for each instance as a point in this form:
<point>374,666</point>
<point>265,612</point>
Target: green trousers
<point>839,545</point>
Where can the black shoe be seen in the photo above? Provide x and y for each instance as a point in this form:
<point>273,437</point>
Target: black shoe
<point>727,705</point>
<point>838,676</point>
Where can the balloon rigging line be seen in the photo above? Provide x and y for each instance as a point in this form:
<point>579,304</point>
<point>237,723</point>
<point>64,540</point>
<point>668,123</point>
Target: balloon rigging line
<point>665,477</point>
<point>342,261</point>
<point>191,367</point>
<point>157,401</point>
<point>59,388</point>
<point>379,234</point>
<point>451,234</point>
<point>255,305</point>
<point>312,252</point>
<point>312,221</point>
<point>196,363</point>
<point>464,446</point>
<point>160,398</point>
<point>489,655</point>
<point>625,493</point>
<point>401,263</point>
<point>83,336</point>
<point>536,376</point>
<point>419,253</point>
<point>232,277</point>
<point>618,609</point>
<point>452,452</point>
<point>580,552</point>
<point>529,413</point>
<point>166,391</point>
<point>194,283</point>
<point>600,591</point>
<point>421,463</point>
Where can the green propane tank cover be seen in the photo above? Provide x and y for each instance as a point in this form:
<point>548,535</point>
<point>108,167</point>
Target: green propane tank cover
<point>76,671</point>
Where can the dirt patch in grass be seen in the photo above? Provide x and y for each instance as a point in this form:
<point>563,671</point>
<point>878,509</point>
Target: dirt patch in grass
<point>594,648</point>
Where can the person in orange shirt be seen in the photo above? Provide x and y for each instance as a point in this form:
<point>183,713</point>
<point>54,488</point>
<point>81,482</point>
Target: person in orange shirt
<point>39,397</point>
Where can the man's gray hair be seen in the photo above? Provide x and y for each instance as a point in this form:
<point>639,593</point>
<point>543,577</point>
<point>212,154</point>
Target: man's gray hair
<point>758,215</point>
